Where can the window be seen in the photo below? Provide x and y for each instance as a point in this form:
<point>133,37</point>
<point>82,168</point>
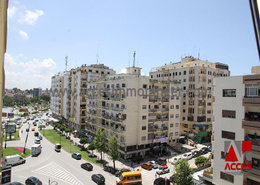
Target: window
<point>184,88</point>
<point>176,124</point>
<point>143,127</point>
<point>183,118</point>
<point>208,111</point>
<point>179,73</point>
<point>228,114</point>
<point>171,125</point>
<point>172,106</point>
<point>144,106</point>
<point>184,110</point>
<point>229,92</point>
<point>143,117</point>
<point>252,91</point>
<point>177,116</point>
<point>208,119</point>
<point>144,86</point>
<point>184,80</point>
<point>177,106</point>
<point>123,85</point>
<point>223,156</point>
<point>209,103</point>
<point>228,135</point>
<point>172,116</point>
<point>176,133</point>
<point>227,177</point>
<point>184,72</point>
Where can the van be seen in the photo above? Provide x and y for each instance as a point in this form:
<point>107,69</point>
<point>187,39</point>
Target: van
<point>57,147</point>
<point>133,177</point>
<point>36,149</point>
<point>14,160</point>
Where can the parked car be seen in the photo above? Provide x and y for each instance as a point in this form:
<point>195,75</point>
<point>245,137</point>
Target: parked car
<point>39,137</point>
<point>36,134</point>
<point>119,173</point>
<point>187,156</point>
<point>76,156</point>
<point>175,160</point>
<point>203,150</point>
<point>162,170</point>
<point>154,164</point>
<point>147,166</point>
<point>33,181</point>
<point>98,178</point>
<point>27,129</point>
<point>195,154</point>
<point>87,166</point>
<point>161,161</point>
<point>161,181</point>
<point>110,169</point>
<point>33,129</point>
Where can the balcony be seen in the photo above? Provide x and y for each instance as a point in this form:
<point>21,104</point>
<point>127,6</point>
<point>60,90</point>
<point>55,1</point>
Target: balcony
<point>251,121</point>
<point>253,101</point>
<point>255,172</point>
<point>255,142</point>
<point>116,109</point>
<point>249,79</point>
<point>165,109</point>
<point>153,110</point>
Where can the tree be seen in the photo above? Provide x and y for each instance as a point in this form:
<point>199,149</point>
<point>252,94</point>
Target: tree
<point>100,142</point>
<point>45,98</point>
<point>183,175</point>
<point>8,101</point>
<point>114,150</point>
<point>34,100</point>
<point>83,141</point>
<point>91,146</point>
<point>201,160</point>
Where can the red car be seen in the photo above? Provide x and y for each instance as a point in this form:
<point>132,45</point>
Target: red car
<point>147,166</point>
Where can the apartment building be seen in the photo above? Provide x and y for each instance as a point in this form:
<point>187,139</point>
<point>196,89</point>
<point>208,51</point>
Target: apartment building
<point>68,97</point>
<point>236,112</point>
<point>194,78</point>
<point>121,110</point>
<point>164,113</point>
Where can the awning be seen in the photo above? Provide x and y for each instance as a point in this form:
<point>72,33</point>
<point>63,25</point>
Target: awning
<point>197,125</point>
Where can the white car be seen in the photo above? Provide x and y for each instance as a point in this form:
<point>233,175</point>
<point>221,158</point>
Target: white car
<point>175,160</point>
<point>187,156</point>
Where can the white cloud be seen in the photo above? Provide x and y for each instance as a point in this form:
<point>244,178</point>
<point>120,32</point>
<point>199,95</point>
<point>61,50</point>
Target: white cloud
<point>11,11</point>
<point>28,74</point>
<point>31,17</point>
<point>24,34</point>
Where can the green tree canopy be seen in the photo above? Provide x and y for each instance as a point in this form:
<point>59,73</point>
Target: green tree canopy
<point>201,160</point>
<point>184,173</point>
<point>100,142</point>
<point>113,150</point>
<point>45,97</point>
<point>8,101</point>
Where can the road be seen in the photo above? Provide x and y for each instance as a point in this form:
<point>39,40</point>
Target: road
<point>53,166</point>
<point>63,169</point>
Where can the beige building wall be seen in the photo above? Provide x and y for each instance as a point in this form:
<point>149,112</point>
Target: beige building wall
<point>3,38</point>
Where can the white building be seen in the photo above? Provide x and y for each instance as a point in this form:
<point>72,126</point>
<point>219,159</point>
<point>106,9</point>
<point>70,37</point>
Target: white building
<point>237,118</point>
<point>194,77</point>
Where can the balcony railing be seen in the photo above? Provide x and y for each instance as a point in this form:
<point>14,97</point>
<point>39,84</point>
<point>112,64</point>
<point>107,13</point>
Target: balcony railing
<point>251,101</point>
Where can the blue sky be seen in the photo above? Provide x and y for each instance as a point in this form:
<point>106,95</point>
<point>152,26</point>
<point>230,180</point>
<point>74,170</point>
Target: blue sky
<point>41,33</point>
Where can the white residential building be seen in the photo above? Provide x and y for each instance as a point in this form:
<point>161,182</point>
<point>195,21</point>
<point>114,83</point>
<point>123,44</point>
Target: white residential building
<point>194,77</point>
<point>237,118</point>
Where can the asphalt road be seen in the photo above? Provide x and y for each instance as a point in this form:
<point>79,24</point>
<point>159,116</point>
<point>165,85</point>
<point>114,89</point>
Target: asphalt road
<point>52,166</point>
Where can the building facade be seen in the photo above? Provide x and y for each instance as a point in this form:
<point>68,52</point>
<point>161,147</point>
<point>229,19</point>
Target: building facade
<point>236,112</point>
<point>195,87</point>
<point>37,92</point>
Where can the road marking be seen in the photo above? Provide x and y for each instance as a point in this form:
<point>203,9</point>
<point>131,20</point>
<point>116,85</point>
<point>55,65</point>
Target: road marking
<point>54,170</point>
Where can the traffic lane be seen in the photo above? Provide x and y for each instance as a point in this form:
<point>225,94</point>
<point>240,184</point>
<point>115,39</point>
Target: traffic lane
<point>70,163</point>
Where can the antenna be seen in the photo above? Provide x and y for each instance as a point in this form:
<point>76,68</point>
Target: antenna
<point>134,60</point>
<point>199,54</point>
<point>66,63</point>
<point>129,59</point>
<point>97,53</point>
<point>97,58</point>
